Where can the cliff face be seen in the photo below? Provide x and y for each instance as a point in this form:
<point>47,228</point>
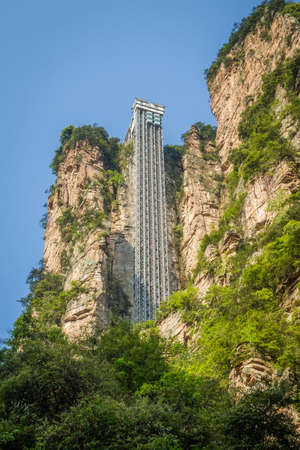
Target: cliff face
<point>70,247</point>
<point>89,238</point>
<point>240,83</point>
<point>205,197</point>
<point>236,212</point>
<point>238,86</point>
<point>199,208</point>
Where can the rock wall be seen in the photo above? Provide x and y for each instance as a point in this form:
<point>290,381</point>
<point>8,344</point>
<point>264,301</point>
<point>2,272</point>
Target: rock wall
<point>82,259</point>
<point>95,252</point>
<point>240,83</point>
<point>231,91</point>
<point>205,197</point>
<point>199,208</point>
<point>122,236</point>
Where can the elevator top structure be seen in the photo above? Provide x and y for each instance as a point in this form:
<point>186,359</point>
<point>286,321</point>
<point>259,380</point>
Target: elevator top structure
<point>143,104</point>
<point>153,108</point>
<point>151,277</point>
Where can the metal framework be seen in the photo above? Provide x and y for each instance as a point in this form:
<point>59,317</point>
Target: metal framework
<point>151,245</point>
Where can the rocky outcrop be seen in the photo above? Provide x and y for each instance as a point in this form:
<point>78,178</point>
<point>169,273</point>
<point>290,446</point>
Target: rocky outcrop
<point>234,87</point>
<point>199,209</point>
<point>256,210</point>
<point>238,84</point>
<point>121,238</point>
<point>251,369</point>
<point>257,373</point>
<point>90,237</point>
<point>173,326</point>
<point>205,198</point>
<point>83,242</point>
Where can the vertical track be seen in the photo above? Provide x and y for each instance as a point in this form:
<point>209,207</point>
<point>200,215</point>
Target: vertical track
<point>151,245</point>
<point>138,221</point>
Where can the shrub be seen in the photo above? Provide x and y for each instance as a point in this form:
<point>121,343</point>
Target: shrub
<point>179,300</point>
<point>204,131</point>
<point>96,137</point>
<point>266,10</point>
<point>292,9</point>
<point>260,128</point>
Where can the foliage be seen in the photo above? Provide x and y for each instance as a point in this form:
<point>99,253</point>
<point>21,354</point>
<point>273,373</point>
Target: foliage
<point>230,216</point>
<point>96,137</point>
<point>173,154</point>
<point>45,303</point>
<point>112,179</point>
<point>67,224</point>
<point>205,132</point>
<point>260,128</point>
<point>59,157</point>
<point>44,220</point>
<point>264,14</point>
<point>66,134</point>
<point>249,310</point>
<point>35,275</point>
<point>292,9</point>
<point>173,159</point>
<point>44,306</point>
<point>287,210</point>
<point>179,300</point>
<point>178,231</point>
<point>73,227</point>
<point>126,152</point>
<point>129,389</point>
<point>260,421</point>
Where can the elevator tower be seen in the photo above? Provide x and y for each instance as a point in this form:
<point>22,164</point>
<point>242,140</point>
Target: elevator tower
<point>151,275</point>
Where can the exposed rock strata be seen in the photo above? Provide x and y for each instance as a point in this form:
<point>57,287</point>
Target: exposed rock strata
<point>234,87</point>
<point>87,261</point>
<point>100,260</point>
<point>199,207</point>
<point>122,237</point>
<point>173,326</point>
<point>256,372</point>
<point>240,83</point>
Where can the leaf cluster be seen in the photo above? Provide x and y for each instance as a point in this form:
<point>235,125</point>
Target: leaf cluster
<point>205,132</point>
<point>97,137</point>
<point>73,227</point>
<point>126,390</point>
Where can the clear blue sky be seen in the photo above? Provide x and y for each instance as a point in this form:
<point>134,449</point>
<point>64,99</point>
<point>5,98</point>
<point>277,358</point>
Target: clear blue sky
<point>79,62</point>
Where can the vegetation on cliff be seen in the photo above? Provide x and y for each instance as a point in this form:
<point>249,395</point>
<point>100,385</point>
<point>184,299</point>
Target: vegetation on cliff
<point>44,306</point>
<point>95,136</point>
<point>262,14</point>
<point>263,145</point>
<point>245,305</point>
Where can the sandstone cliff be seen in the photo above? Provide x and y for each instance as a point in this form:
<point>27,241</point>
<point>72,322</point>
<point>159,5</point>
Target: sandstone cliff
<point>90,232</point>
<point>87,238</point>
<point>232,226</point>
<point>236,86</point>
